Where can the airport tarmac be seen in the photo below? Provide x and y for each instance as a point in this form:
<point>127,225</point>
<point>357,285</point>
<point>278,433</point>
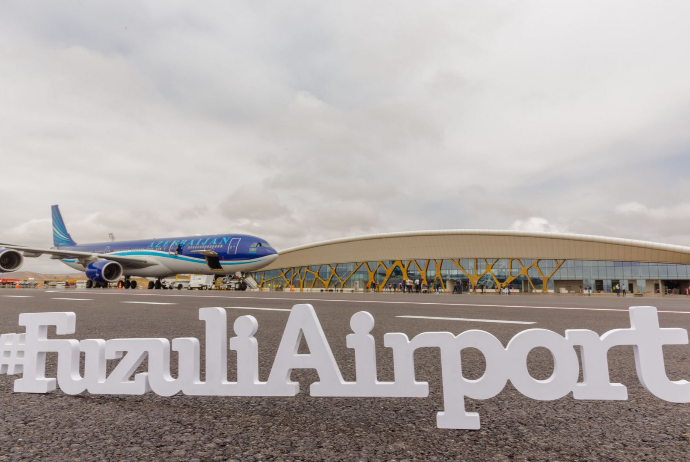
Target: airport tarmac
<point>513,427</point>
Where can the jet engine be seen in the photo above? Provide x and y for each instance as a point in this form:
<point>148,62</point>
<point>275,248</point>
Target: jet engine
<point>10,260</point>
<point>104,271</point>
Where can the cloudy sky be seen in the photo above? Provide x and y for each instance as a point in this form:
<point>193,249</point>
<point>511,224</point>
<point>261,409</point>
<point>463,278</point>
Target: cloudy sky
<point>307,120</point>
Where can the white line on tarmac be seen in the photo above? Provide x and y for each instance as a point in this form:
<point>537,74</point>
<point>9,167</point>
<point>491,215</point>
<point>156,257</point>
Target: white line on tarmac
<point>75,299</point>
<point>18,296</point>
<point>500,321</point>
<point>151,303</point>
<point>381,302</point>
<point>254,308</point>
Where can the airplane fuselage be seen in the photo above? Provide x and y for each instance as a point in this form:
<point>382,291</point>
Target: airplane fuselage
<point>221,254</point>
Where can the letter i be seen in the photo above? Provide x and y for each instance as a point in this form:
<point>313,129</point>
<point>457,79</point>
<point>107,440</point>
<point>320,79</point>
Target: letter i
<point>247,349</point>
<point>365,348</point>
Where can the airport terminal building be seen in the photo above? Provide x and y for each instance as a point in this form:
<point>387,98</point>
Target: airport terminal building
<point>482,260</point>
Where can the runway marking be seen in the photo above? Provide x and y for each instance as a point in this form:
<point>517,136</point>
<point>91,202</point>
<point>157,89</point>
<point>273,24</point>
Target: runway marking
<point>499,321</point>
<point>18,296</point>
<point>253,308</point>
<point>384,302</point>
<point>74,299</point>
<point>150,303</point>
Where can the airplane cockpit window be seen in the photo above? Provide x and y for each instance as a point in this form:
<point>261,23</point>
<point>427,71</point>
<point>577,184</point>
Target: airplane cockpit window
<point>260,244</point>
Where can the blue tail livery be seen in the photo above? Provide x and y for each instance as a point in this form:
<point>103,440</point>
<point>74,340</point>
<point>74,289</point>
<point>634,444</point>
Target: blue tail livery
<point>60,234</point>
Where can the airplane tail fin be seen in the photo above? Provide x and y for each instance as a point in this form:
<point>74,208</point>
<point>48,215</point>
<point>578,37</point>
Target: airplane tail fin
<point>60,234</point>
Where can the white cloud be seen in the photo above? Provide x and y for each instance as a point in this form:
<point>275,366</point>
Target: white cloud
<point>536,224</point>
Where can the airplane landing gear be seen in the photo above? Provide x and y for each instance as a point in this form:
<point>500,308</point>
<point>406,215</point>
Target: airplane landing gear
<point>151,285</point>
<point>158,284</point>
<point>128,283</point>
<point>89,283</point>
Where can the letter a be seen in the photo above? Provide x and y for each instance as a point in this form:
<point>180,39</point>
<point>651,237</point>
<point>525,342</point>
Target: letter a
<point>303,321</point>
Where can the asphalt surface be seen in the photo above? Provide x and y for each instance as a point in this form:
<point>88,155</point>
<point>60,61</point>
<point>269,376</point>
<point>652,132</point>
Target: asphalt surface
<point>56,426</point>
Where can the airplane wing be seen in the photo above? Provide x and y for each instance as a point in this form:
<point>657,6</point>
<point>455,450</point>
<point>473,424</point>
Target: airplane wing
<point>84,257</point>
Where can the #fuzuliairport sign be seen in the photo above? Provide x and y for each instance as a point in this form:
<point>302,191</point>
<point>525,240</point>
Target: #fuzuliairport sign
<point>26,353</point>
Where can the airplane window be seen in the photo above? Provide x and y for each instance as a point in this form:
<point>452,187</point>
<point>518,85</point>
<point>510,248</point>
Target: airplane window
<point>256,244</point>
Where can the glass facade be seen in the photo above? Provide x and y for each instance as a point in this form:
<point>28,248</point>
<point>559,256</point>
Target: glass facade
<point>475,274</point>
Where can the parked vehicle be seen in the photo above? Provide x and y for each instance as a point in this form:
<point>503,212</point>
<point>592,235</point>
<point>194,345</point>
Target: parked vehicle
<point>179,285</point>
<point>201,281</point>
<point>233,283</point>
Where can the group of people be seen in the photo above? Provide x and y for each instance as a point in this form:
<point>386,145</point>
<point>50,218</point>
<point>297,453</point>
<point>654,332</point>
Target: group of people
<point>409,286</point>
<point>504,290</point>
<point>620,290</point>
<point>406,286</point>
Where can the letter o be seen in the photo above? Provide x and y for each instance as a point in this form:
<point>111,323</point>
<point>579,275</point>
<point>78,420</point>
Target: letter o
<point>566,367</point>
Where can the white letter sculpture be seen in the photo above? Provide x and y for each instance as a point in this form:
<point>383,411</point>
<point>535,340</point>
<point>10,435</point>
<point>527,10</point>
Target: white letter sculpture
<point>26,354</point>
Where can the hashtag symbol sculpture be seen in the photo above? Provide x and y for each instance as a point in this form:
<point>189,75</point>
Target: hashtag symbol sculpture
<point>12,353</point>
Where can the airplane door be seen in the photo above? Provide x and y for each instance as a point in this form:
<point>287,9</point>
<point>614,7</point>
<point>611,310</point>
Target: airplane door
<point>234,244</point>
<point>174,248</point>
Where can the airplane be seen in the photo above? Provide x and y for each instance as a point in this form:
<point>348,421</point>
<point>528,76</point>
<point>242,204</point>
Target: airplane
<point>108,262</point>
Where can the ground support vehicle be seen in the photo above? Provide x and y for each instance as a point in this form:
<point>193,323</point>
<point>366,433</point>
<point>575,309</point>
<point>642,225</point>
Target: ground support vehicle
<point>179,284</point>
<point>201,281</point>
<point>233,283</point>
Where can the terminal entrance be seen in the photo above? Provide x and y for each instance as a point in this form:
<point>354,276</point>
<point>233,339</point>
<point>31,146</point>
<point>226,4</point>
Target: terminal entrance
<point>671,286</point>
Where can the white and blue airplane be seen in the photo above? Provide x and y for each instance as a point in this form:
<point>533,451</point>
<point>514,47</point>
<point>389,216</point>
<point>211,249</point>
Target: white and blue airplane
<point>107,262</point>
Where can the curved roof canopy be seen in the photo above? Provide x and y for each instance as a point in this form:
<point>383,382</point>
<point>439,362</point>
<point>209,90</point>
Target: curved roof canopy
<point>478,243</point>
